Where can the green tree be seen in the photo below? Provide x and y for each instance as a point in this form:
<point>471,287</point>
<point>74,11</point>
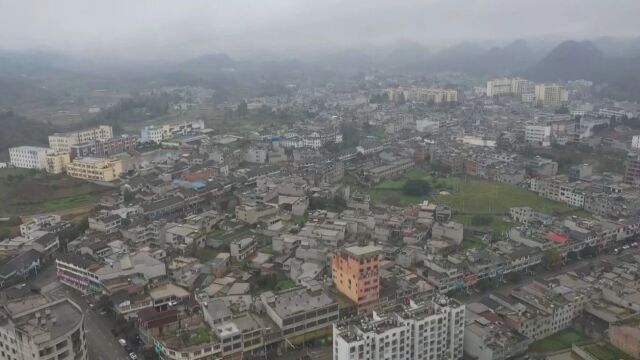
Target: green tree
<point>551,259</point>
<point>481,220</point>
<point>416,187</point>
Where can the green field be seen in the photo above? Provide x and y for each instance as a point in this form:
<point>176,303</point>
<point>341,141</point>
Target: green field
<point>558,341</point>
<point>606,352</point>
<point>464,194</point>
<point>25,192</point>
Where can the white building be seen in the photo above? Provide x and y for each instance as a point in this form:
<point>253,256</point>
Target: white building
<point>256,155</point>
<point>62,142</point>
<point>538,135</point>
<point>551,95</point>
<point>29,157</point>
<point>36,328</point>
<point>427,331</point>
<point>509,86</point>
<point>635,142</point>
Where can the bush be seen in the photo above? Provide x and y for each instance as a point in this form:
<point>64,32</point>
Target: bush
<point>416,188</point>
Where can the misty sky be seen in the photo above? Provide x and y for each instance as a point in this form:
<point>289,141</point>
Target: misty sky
<point>170,29</point>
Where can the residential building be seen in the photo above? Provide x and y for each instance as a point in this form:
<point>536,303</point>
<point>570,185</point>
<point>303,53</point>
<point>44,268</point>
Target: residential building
<point>632,169</point>
<point>104,148</point>
<point>29,157</point>
<point>35,327</point>
<point>62,142</point>
<point>551,95</point>
<point>538,135</point>
<point>417,331</point>
<point>355,274</point>
<point>241,249</point>
<point>95,169</point>
<point>251,214</point>
<point>498,87</point>
<point>57,163</point>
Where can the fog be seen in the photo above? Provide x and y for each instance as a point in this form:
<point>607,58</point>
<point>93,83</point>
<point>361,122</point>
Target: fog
<point>177,29</point>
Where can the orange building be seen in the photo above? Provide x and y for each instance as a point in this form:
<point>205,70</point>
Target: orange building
<point>355,274</point>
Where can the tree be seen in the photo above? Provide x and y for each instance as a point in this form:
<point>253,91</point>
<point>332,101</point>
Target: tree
<point>551,259</point>
<point>416,187</point>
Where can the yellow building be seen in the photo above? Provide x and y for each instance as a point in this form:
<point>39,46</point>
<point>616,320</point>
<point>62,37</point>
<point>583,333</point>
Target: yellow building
<point>56,163</point>
<point>95,169</point>
<point>355,274</point>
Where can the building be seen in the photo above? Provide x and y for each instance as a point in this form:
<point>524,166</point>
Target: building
<point>355,274</point>
<point>96,169</point>
<point>551,95</point>
<point>56,163</point>
<point>632,169</point>
<point>386,171</point>
<point>426,331</point>
<point>35,327</point>
<point>29,157</point>
<point>625,335</point>
<point>104,148</point>
<point>241,249</point>
<point>62,142</point>
<point>299,311</point>
<point>509,86</point>
<point>635,142</point>
<point>251,214</point>
<point>538,135</point>
<point>159,133</point>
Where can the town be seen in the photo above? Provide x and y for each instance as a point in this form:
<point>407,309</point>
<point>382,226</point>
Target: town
<point>394,220</point>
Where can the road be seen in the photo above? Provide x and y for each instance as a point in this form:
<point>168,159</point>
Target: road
<point>101,344</point>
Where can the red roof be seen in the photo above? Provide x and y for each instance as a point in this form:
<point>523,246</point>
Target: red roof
<point>560,239</point>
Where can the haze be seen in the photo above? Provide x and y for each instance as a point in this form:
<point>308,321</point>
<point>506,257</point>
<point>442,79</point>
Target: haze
<point>173,29</point>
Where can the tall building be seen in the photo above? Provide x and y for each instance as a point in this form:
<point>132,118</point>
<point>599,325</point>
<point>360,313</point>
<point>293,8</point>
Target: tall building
<point>632,170</point>
<point>355,274</point>
<point>34,327</point>
<point>538,135</point>
<point>551,95</point>
<point>29,157</point>
<point>509,86</point>
<point>95,169</point>
<point>427,331</point>
<point>62,142</point>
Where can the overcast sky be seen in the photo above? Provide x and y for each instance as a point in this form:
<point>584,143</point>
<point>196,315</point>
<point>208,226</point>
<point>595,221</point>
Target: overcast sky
<point>169,29</point>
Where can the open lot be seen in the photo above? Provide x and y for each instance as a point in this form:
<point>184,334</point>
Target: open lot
<point>464,194</point>
<point>25,192</point>
<point>606,352</point>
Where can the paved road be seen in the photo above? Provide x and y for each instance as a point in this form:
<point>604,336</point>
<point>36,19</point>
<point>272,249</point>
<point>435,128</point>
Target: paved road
<point>101,344</point>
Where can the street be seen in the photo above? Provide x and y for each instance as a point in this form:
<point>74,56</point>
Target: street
<point>101,344</point>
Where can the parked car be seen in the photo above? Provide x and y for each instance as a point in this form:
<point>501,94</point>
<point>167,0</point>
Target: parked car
<point>122,342</point>
<point>133,356</point>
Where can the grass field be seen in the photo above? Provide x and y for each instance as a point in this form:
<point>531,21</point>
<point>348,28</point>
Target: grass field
<point>558,341</point>
<point>606,352</point>
<point>464,194</point>
<point>25,192</point>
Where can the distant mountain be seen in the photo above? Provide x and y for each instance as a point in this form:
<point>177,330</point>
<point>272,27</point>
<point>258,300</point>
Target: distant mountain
<point>477,60</point>
<point>17,130</point>
<point>571,60</point>
<point>618,77</point>
<point>618,47</point>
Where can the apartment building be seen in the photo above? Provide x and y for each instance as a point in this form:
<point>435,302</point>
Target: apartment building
<point>104,148</point>
<point>163,132</point>
<point>96,169</point>
<point>35,327</point>
<point>251,214</point>
<point>386,171</point>
<point>29,157</point>
<point>62,142</point>
<point>538,135</point>
<point>417,331</point>
<point>551,95</point>
<point>509,86</point>
<point>355,274</point>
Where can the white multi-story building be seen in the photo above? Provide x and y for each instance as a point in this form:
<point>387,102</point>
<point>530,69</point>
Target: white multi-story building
<point>313,140</point>
<point>428,331</point>
<point>163,132</point>
<point>538,135</point>
<point>29,157</point>
<point>36,328</point>
<point>551,95</point>
<point>635,142</point>
<point>509,86</point>
<point>62,142</point>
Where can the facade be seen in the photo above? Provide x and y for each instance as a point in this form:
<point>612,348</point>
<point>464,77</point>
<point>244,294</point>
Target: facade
<point>37,328</point>
<point>538,135</point>
<point>62,143</point>
<point>159,133</point>
<point>29,157</point>
<point>395,168</point>
<point>355,274</point>
<point>57,163</point>
<point>251,214</point>
<point>95,169</point>
<point>426,331</point>
<point>104,148</point>
<point>551,95</point>
<point>632,170</point>
<point>510,86</point>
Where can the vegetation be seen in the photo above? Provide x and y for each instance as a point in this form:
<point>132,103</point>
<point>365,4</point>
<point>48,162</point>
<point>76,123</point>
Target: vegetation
<point>551,259</point>
<point>416,187</point>
<point>18,130</point>
<point>606,352</point>
<point>558,341</point>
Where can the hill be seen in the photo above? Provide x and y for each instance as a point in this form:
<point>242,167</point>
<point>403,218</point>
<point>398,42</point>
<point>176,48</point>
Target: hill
<point>17,130</point>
